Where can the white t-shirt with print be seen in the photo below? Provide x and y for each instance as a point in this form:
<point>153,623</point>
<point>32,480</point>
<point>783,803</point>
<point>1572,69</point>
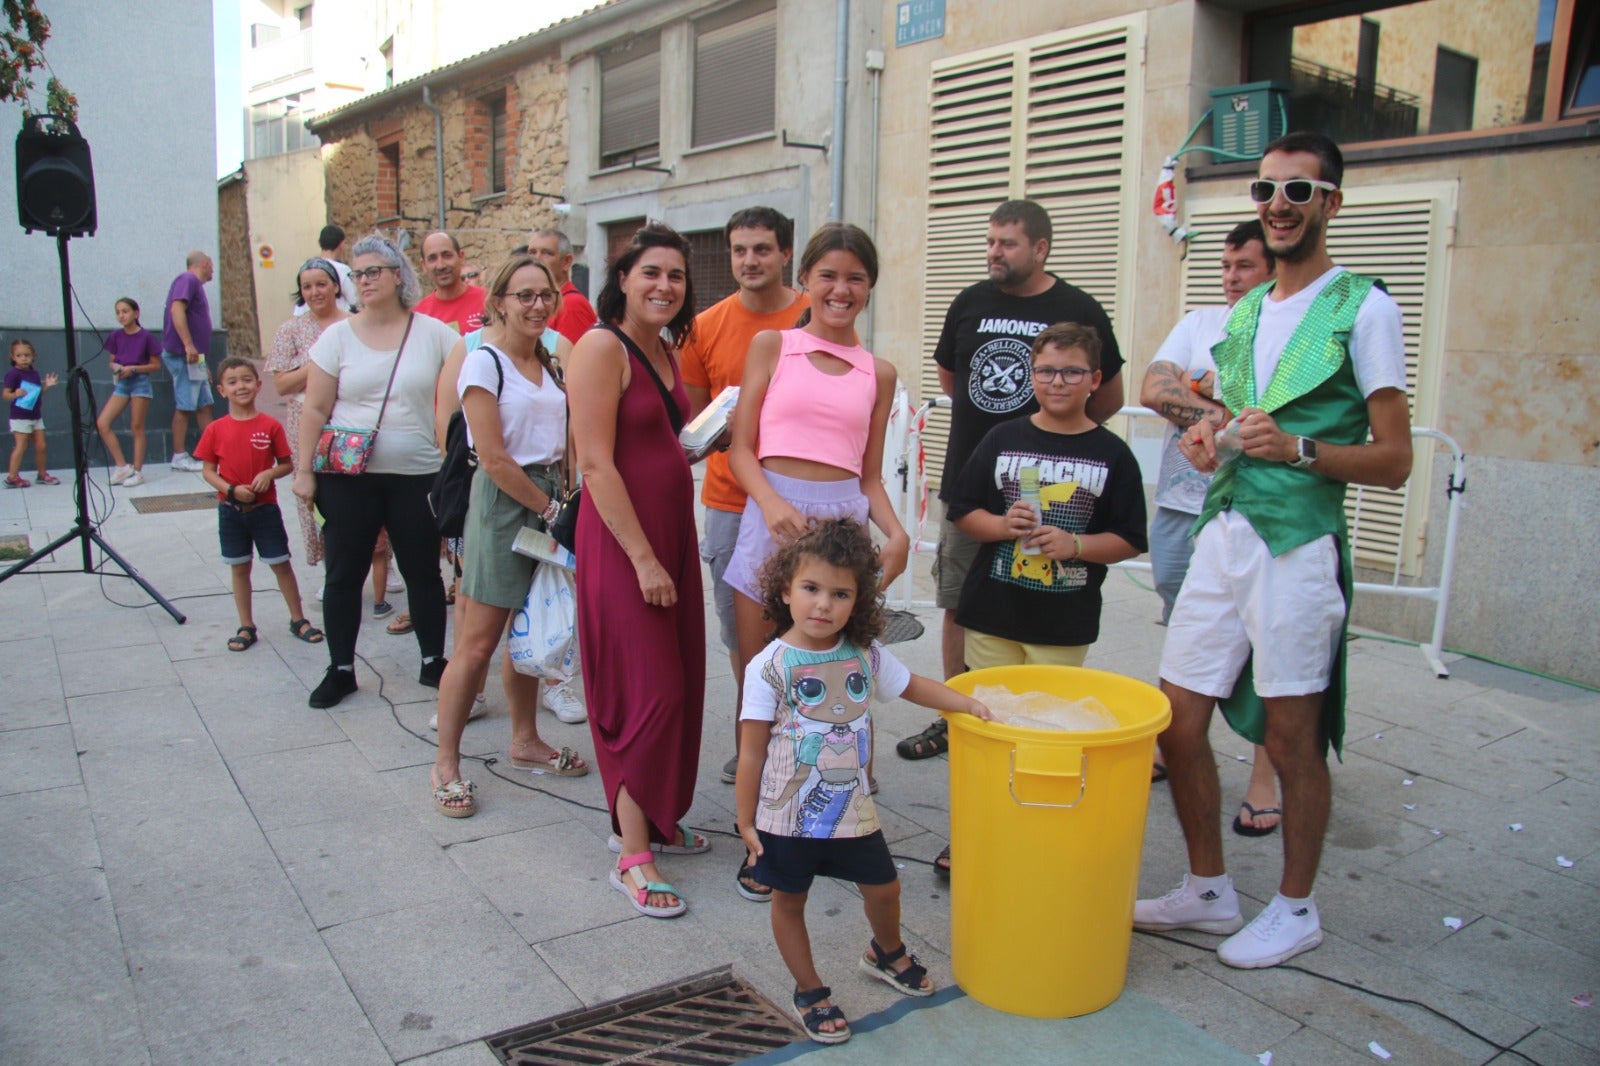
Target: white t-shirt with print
<point>1179,486</point>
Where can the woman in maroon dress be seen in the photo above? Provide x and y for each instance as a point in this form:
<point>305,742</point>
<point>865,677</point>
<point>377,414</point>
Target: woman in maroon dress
<point>641,618</point>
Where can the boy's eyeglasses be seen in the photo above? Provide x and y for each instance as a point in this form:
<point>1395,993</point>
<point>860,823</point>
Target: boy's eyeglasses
<point>369,273</point>
<point>529,297</point>
<point>1070,374</point>
<point>1295,190</point>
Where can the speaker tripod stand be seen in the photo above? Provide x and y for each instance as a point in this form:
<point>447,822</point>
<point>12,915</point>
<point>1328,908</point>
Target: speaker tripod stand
<point>83,530</point>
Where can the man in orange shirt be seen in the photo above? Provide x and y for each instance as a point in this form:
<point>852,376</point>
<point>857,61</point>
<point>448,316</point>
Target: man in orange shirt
<point>760,245</point>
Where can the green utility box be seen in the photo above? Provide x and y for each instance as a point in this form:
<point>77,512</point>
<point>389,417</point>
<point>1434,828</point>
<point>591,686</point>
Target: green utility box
<point>1246,118</point>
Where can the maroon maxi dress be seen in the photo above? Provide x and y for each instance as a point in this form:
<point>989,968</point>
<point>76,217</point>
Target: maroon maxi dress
<point>644,667</point>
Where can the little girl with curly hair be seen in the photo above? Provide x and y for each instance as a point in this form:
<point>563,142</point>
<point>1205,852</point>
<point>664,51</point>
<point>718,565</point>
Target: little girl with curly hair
<point>804,809</point>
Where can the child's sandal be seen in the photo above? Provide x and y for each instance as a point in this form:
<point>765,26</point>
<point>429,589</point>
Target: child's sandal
<point>302,629</point>
<point>243,639</point>
<point>911,981</point>
<point>812,1017</point>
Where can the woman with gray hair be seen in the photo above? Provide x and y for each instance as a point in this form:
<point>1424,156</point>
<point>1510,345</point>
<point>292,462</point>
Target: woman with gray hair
<point>378,370</point>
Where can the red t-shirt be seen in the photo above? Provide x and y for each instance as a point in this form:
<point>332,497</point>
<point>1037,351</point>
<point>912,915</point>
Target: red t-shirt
<point>463,314</point>
<point>576,314</point>
<point>713,359</point>
<point>243,448</point>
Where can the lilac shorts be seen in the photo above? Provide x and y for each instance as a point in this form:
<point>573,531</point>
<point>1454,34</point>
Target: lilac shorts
<point>814,499</point>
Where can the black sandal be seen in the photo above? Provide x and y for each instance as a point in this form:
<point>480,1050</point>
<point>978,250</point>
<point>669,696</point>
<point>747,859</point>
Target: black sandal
<point>243,639</point>
<point>941,863</point>
<point>813,1017</point>
<point>759,893</point>
<point>907,981</point>
<point>304,630</point>
<point>934,740</point>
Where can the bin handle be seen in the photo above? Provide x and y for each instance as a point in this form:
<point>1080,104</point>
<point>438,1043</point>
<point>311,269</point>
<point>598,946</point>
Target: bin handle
<point>1082,775</point>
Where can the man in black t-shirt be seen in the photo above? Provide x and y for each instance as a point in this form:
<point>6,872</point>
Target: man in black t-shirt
<point>984,356</point>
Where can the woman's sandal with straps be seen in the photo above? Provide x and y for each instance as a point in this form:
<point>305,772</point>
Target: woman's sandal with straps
<point>812,1016</point>
<point>911,981</point>
<point>628,879</point>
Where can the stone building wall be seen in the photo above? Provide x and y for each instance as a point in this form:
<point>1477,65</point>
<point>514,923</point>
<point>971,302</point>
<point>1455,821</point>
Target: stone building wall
<point>234,270</point>
<point>487,224</point>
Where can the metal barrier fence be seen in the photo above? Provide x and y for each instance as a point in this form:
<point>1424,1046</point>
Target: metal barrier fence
<point>905,475</point>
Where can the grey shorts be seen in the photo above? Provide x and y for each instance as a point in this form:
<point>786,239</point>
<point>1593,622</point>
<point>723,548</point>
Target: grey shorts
<point>716,548</point>
<point>491,572</point>
<point>951,564</point>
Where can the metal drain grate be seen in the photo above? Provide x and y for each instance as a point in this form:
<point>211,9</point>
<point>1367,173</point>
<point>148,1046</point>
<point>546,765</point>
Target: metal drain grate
<point>900,627</point>
<point>182,501</point>
<point>709,1019</point>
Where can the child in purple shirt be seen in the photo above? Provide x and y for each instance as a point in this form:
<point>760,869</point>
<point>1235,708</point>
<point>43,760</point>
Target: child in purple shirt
<point>135,355</point>
<point>24,388</point>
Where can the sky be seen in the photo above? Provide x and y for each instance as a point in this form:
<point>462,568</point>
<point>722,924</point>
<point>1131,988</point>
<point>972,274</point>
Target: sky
<point>228,48</point>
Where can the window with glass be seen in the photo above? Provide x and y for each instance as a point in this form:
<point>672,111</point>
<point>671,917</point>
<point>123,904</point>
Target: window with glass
<point>279,126</point>
<point>630,103</point>
<point>497,142</point>
<point>735,73</point>
<point>1373,71</point>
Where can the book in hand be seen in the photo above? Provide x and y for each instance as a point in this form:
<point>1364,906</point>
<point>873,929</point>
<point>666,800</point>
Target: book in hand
<point>537,544</point>
<point>699,438</point>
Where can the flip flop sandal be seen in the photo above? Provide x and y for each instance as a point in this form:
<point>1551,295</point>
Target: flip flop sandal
<point>563,763</point>
<point>908,981</point>
<point>243,639</point>
<point>693,844</point>
<point>1255,830</point>
<point>48,479</point>
<point>454,799</point>
<point>1158,772</point>
<point>934,740</point>
<point>640,889</point>
<point>941,863</point>
<point>304,630</point>
<point>812,1017</point>
<point>400,624</point>
<point>750,888</point>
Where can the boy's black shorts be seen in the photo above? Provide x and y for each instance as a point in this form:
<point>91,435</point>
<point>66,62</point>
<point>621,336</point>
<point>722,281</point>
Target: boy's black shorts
<point>790,864</point>
<point>260,527</point>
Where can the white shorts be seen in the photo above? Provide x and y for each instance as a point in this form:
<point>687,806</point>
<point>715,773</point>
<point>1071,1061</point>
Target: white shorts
<point>1238,599</point>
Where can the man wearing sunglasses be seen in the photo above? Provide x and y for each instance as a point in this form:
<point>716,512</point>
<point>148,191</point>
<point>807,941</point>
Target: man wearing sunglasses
<point>1312,363</point>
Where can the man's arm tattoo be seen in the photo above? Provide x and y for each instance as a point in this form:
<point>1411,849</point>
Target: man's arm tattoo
<point>1172,399</point>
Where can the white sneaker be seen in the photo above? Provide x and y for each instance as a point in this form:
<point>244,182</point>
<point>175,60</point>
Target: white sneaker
<point>480,707</point>
<point>1212,911</point>
<point>320,590</point>
<point>567,704</point>
<point>1279,933</point>
<point>121,474</point>
<point>186,463</point>
<point>133,479</point>
<point>394,584</point>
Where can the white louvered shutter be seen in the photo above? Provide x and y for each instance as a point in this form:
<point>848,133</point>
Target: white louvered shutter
<point>735,83</point>
<point>630,104</point>
<point>1051,119</point>
<point>1402,235</point>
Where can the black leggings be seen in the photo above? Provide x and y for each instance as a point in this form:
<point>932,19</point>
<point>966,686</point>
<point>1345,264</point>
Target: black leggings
<point>355,507</point>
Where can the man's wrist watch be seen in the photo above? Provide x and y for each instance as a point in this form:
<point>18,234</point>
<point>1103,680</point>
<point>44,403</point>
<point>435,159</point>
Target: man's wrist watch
<point>1307,449</point>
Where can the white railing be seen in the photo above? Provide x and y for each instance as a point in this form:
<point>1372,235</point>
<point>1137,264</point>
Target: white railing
<point>279,59</point>
<point>905,475</point>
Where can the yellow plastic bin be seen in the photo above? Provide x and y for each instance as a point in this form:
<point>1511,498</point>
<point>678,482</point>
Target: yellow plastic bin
<point>1046,829</point>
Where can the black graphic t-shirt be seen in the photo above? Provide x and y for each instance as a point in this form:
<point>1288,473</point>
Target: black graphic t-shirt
<point>987,343</point>
<point>1088,483</point>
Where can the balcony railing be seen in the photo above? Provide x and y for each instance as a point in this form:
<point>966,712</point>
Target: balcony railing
<point>1346,108</point>
<point>276,60</point>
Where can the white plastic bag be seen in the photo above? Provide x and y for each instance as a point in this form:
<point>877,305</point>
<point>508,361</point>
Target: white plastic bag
<point>543,639</point>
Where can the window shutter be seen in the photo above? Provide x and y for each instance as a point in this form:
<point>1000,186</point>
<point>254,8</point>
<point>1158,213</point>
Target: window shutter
<point>1045,119</point>
<point>735,83</point>
<point>630,105</point>
<point>1400,234</point>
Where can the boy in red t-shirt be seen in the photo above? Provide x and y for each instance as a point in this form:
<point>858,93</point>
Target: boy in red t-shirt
<point>243,455</point>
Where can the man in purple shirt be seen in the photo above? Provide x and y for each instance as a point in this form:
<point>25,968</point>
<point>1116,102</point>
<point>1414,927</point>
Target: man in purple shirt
<point>185,340</point>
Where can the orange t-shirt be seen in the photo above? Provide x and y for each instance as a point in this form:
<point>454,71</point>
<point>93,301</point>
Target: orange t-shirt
<point>714,359</point>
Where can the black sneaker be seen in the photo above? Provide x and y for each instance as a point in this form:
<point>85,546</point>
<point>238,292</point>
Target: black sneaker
<point>335,685</point>
<point>432,672</point>
<point>730,771</point>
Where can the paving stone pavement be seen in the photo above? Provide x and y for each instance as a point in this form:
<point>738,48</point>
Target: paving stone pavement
<point>197,868</point>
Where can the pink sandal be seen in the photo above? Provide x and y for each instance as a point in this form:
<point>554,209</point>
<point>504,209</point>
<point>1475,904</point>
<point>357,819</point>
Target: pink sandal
<point>638,889</point>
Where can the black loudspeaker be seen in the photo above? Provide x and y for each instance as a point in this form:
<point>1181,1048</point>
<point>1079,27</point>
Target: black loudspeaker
<point>55,178</point>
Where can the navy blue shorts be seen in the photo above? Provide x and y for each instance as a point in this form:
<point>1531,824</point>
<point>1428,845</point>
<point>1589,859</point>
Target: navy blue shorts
<point>790,864</point>
<point>261,526</point>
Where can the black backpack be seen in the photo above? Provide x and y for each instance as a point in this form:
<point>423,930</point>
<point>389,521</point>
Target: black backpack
<point>452,485</point>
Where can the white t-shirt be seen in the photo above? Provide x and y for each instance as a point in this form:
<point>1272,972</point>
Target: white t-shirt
<point>1179,486</point>
<point>533,418</point>
<point>1377,342</point>
<point>405,442</point>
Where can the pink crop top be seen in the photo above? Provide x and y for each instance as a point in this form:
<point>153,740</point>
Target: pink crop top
<point>822,418</point>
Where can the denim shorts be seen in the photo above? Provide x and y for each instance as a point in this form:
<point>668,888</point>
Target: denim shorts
<point>261,526</point>
<point>134,386</point>
<point>186,394</point>
<point>790,864</point>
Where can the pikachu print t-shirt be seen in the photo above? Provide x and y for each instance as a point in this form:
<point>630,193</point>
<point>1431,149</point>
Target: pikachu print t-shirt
<point>814,783</point>
<point>1088,483</point>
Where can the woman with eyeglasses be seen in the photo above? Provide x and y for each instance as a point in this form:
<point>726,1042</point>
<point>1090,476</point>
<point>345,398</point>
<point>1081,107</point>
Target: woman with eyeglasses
<point>516,412</point>
<point>378,369</point>
<point>641,618</point>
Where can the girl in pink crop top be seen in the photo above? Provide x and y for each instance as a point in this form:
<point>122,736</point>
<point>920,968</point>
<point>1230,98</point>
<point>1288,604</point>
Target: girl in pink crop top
<point>802,399</point>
